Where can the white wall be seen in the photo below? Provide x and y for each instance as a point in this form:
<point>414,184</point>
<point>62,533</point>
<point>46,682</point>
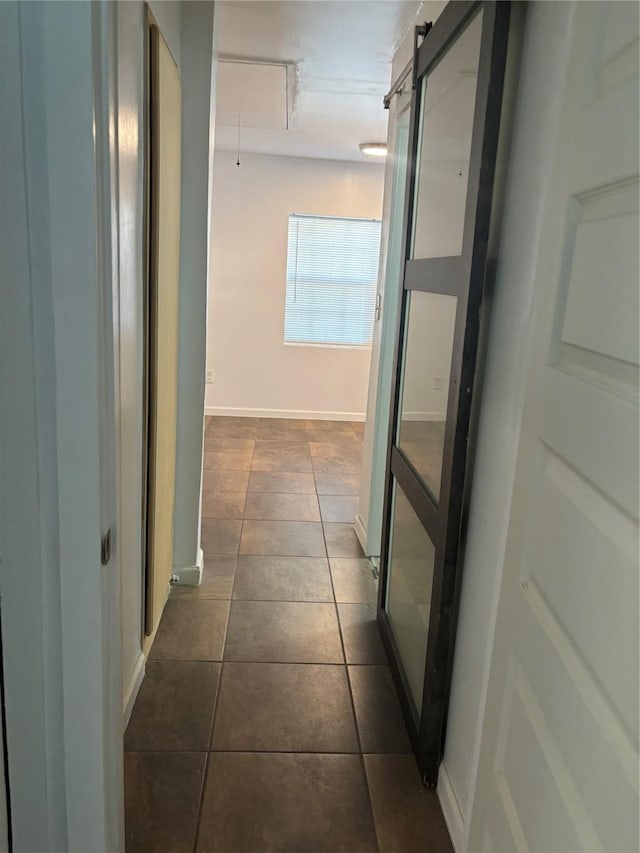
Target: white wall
<point>534,133</point>
<point>60,632</point>
<point>188,29</point>
<point>254,372</point>
<point>59,281</point>
<point>131,132</point>
<point>197,153</point>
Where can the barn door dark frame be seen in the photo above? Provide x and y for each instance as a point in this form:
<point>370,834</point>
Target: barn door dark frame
<point>463,277</point>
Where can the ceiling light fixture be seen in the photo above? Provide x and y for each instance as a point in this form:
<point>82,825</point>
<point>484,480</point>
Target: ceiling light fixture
<point>374,149</point>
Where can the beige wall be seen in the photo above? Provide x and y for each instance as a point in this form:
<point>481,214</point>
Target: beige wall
<point>253,370</point>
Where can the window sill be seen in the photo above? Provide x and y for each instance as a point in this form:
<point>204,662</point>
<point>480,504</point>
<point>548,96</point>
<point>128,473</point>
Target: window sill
<point>327,346</point>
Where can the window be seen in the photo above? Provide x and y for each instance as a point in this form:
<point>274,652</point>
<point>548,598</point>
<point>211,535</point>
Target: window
<point>332,274</point>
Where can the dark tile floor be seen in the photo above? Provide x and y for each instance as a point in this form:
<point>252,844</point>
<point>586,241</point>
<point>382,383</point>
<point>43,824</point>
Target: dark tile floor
<point>267,719</point>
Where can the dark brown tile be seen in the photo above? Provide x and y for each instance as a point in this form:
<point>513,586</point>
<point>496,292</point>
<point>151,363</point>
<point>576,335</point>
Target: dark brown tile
<point>340,508</point>
<point>220,536</point>
<point>283,464</point>
<point>191,630</point>
<point>231,421</point>
<point>407,816</point>
<point>282,538</point>
<point>225,481</point>
<point>283,579</point>
<point>282,456</point>
<point>217,504</point>
<point>335,465</point>
<point>174,708</point>
<point>226,431</point>
<point>380,721</point>
<point>281,432</point>
<point>291,803</point>
<point>360,634</point>
<point>224,445</point>
<point>280,707</point>
<point>274,506</point>
<point>162,796</point>
<point>342,541</point>
<point>217,580</point>
<point>328,425</point>
<point>227,460</point>
<point>294,424</point>
<point>349,452</point>
<point>287,483</point>
<point>297,446</point>
<point>353,581</point>
<point>334,436</point>
<point>338,484</point>
<point>283,632</point>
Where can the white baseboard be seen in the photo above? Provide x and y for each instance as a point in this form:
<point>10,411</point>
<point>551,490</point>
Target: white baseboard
<point>424,416</point>
<point>451,810</point>
<point>295,414</point>
<point>189,575</point>
<point>361,533</point>
<point>132,689</point>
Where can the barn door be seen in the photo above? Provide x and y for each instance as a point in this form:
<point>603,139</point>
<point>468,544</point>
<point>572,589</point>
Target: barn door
<point>455,117</point>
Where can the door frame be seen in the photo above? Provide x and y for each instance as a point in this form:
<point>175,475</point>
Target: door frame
<point>61,621</point>
<point>368,524</point>
<point>461,276</point>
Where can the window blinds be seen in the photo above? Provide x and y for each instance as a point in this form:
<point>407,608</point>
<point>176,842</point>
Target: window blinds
<point>332,275</point>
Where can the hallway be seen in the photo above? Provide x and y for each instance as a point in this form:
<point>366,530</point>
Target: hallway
<point>267,719</point>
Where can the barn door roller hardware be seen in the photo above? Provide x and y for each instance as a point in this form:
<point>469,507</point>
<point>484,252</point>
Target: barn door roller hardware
<point>420,32</point>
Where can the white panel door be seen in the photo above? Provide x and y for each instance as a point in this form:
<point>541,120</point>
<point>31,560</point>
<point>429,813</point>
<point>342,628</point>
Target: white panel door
<point>559,756</point>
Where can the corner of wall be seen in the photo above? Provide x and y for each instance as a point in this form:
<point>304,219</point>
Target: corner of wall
<point>451,810</point>
<point>189,575</point>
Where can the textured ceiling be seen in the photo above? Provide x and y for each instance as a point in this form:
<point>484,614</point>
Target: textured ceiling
<point>338,57</point>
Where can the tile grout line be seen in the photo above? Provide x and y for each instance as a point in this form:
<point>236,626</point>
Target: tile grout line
<point>258,751</point>
<point>353,706</point>
<point>205,777</point>
<point>283,662</point>
<point>219,685</point>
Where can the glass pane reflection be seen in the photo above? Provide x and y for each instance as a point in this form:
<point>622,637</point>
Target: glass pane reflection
<point>446,125</point>
<point>411,560</point>
<point>425,383</point>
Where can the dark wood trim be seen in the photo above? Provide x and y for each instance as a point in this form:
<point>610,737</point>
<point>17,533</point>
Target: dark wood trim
<point>423,503</point>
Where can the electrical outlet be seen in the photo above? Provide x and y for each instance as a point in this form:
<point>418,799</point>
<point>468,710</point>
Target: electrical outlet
<point>209,376</point>
<point>437,383</point>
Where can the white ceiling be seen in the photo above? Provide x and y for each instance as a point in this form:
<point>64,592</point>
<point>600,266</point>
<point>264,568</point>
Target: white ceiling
<point>338,57</point>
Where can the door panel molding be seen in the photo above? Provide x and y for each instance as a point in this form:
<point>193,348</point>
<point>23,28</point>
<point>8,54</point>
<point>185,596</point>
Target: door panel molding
<point>567,624</point>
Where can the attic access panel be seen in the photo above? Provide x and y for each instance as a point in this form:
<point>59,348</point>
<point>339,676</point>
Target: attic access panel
<point>253,94</point>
